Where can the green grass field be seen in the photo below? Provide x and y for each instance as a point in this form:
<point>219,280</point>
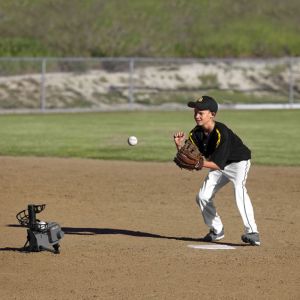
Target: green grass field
<point>179,28</point>
<point>273,136</point>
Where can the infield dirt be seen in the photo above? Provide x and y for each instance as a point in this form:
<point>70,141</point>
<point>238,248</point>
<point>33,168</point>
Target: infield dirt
<point>128,226</point>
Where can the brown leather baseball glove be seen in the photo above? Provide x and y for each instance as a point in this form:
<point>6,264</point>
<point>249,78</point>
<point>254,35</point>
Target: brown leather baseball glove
<point>189,157</point>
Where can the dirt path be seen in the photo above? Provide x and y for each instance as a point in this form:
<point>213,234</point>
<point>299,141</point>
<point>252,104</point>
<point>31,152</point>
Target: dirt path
<point>127,230</point>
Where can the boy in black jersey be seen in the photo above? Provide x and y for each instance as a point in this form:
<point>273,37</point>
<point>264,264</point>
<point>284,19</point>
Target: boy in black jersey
<point>228,160</point>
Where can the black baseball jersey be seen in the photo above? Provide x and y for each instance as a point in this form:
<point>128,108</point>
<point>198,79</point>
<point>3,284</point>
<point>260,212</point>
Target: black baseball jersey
<point>222,146</point>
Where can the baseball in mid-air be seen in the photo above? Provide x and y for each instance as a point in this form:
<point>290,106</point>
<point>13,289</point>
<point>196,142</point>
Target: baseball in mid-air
<point>132,140</point>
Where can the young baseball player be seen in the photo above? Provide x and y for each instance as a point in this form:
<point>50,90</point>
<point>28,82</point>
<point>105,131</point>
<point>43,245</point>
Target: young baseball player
<point>228,160</point>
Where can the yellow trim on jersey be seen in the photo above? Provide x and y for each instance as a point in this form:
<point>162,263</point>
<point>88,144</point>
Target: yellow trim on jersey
<point>190,137</point>
<point>219,138</point>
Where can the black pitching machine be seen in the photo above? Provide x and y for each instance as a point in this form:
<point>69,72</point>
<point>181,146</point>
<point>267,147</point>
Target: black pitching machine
<point>41,235</point>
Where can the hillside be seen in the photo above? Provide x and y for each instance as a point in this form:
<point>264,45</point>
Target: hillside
<point>151,28</point>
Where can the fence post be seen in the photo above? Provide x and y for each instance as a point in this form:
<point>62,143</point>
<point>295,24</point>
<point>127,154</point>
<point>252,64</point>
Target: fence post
<point>291,81</point>
<point>43,86</point>
<point>131,82</point>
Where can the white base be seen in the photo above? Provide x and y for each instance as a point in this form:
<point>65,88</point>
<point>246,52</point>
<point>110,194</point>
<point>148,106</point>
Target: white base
<point>212,247</point>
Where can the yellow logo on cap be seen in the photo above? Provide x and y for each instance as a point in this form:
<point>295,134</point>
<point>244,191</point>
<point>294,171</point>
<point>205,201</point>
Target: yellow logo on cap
<point>200,99</point>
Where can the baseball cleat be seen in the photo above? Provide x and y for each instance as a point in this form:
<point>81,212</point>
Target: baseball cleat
<point>251,238</point>
<point>212,236</point>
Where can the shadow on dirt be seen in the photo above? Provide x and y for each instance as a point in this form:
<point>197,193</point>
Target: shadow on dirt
<point>12,249</point>
<point>92,231</point>
<point>113,231</point>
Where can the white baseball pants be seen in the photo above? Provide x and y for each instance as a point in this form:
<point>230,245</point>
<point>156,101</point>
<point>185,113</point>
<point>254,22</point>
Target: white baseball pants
<point>215,180</point>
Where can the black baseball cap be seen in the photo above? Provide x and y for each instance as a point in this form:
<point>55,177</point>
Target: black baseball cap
<point>204,103</point>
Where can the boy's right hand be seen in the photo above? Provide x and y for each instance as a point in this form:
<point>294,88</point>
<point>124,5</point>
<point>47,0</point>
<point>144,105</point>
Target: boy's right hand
<point>179,139</point>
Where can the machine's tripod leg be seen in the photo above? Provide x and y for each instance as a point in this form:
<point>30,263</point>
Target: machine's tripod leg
<point>56,248</point>
<point>24,247</point>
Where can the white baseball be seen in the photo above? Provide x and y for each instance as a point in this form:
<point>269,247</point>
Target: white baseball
<point>42,225</point>
<point>132,140</point>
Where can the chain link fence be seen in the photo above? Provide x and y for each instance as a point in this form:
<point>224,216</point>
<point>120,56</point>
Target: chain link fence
<point>64,84</point>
